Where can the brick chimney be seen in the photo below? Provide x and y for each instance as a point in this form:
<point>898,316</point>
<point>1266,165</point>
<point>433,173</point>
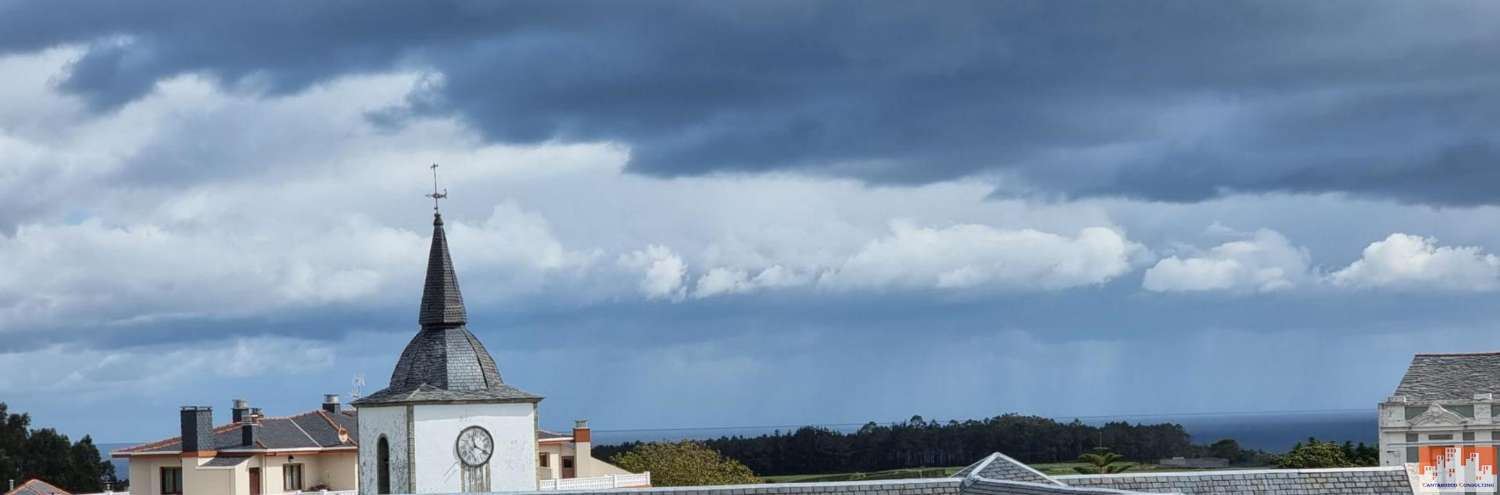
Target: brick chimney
<point>331,403</point>
<point>581,432</point>
<point>197,428</point>
<point>240,411</point>
<point>582,449</point>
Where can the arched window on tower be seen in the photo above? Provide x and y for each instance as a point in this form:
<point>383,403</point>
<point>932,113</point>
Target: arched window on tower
<point>382,466</point>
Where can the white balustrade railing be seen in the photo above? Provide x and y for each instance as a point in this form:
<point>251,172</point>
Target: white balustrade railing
<point>605,482</point>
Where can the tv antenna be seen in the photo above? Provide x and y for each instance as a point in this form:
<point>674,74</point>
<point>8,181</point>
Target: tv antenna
<point>359,386</point>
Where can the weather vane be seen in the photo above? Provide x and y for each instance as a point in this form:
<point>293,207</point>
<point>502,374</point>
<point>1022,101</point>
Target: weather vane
<point>435,194</point>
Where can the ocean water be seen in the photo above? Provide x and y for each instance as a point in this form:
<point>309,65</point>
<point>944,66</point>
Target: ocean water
<point>122,467</point>
<point>1278,433</point>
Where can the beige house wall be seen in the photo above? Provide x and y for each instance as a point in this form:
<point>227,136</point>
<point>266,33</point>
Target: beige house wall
<point>555,452</point>
<point>338,470</point>
<point>211,480</point>
<point>601,468</point>
<point>584,463</point>
<point>145,473</point>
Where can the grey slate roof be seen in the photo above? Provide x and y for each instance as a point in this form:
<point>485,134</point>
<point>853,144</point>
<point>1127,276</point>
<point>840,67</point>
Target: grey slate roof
<point>1381,480</point>
<point>309,430</point>
<point>226,461</point>
<point>982,486</point>
<point>999,466</point>
<point>444,362</point>
<point>930,486</point>
<point>973,485</point>
<point>1433,377</point>
<point>442,303</point>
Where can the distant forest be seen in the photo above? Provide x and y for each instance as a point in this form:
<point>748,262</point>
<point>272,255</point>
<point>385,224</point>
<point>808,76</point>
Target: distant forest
<point>921,443</point>
<point>47,455</point>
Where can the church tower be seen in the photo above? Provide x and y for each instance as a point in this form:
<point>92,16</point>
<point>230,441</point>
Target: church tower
<point>446,423</point>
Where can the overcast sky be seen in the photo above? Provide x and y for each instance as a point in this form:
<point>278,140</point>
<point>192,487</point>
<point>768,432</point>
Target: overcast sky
<point>708,214</point>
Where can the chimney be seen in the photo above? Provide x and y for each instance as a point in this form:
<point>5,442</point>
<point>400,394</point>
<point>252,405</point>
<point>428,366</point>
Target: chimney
<point>247,432</point>
<point>581,432</point>
<point>582,450</point>
<point>255,414</point>
<point>240,411</point>
<point>197,428</point>
<point>331,403</point>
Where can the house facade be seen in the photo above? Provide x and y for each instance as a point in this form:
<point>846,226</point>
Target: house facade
<point>315,451</point>
<point>1442,400</point>
<point>570,458</point>
<point>251,455</point>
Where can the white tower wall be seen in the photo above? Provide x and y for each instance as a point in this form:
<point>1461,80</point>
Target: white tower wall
<point>390,421</point>
<point>512,466</point>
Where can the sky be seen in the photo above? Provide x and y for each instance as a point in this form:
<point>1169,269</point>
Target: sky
<point>696,214</point>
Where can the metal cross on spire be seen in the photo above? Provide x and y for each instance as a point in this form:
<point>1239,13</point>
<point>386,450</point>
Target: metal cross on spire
<point>435,194</point>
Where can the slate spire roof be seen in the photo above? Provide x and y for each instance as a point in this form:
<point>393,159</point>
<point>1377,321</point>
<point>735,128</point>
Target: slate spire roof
<point>442,303</point>
<point>444,362</point>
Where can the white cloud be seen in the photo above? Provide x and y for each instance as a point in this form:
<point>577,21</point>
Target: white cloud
<point>973,255</point>
<point>95,272</point>
<point>662,271</point>
<point>159,368</point>
<point>1404,261</point>
<point>1265,262</point>
<point>726,280</point>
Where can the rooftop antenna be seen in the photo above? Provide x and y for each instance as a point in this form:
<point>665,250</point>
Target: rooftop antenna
<point>435,194</point>
<point>359,386</point>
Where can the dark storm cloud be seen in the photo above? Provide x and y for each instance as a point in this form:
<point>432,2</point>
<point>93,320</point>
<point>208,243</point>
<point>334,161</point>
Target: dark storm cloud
<point>1162,101</point>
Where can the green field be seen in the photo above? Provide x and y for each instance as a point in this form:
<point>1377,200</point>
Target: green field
<point>1057,468</point>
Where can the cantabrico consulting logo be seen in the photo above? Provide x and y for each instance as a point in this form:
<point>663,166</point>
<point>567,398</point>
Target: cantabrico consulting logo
<point>1455,469</point>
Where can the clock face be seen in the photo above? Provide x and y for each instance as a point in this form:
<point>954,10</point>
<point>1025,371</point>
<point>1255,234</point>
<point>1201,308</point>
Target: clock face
<point>474,446</point>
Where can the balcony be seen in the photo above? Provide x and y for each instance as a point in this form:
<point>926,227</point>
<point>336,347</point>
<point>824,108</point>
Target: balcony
<point>641,480</point>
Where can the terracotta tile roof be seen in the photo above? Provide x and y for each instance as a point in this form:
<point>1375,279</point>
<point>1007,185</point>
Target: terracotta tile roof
<point>37,487</point>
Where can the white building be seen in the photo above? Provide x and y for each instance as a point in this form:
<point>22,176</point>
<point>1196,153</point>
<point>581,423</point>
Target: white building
<point>446,423</point>
<point>1443,400</point>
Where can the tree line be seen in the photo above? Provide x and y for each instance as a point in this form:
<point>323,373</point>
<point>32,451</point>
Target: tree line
<point>49,456</point>
<point>1318,454</point>
<point>921,443</point>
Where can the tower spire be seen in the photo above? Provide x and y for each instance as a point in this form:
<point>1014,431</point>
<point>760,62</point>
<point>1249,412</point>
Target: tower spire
<point>442,303</point>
